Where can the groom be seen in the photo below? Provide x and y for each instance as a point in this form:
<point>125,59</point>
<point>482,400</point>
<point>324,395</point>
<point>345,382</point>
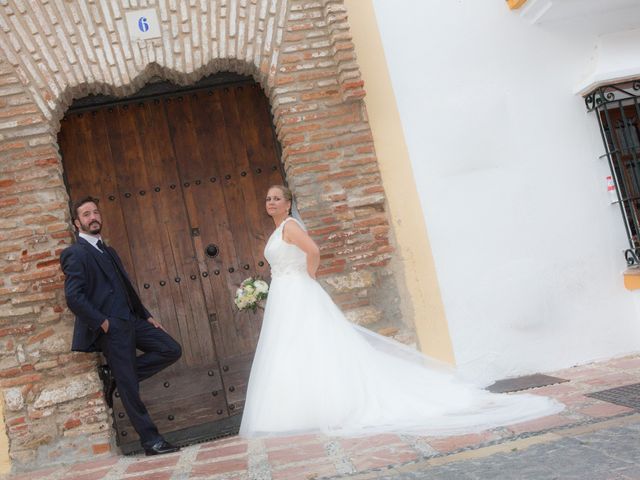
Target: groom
<point>111,318</point>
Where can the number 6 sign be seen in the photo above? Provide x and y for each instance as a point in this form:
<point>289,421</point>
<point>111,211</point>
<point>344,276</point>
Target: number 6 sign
<point>143,24</point>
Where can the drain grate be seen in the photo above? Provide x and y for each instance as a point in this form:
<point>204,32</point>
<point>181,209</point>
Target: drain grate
<point>524,383</point>
<point>627,395</point>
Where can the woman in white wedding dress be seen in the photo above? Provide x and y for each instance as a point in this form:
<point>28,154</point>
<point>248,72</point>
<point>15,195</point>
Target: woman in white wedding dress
<point>314,371</point>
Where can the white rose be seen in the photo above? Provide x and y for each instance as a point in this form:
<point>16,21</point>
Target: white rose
<point>261,286</point>
<point>243,303</point>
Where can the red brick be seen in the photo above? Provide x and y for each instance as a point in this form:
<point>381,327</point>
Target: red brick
<point>224,451</point>
<point>298,27</point>
<point>316,470</point>
<point>305,127</point>
<point>297,453</point>
<point>217,468</point>
<point>540,424</point>
<point>339,175</point>
<point>299,170</point>
<point>13,111</point>
<point>611,380</point>
<point>15,234</point>
<point>377,220</point>
<point>291,58</point>
<point>626,363</point>
<point>280,442</point>
<point>13,268</point>
<point>383,457</point>
<point>365,149</point>
<point>9,201</point>
<point>22,380</point>
<point>285,79</point>
<point>151,476</point>
<point>43,162</point>
<point>30,120</point>
<point>324,231</point>
<point>72,423</point>
<point>581,372</point>
<point>95,475</point>
<point>38,275</point>
<point>34,297</point>
<point>344,56</point>
<point>577,399</point>
<point>154,464</point>
<point>40,219</point>
<point>48,263</point>
<point>307,148</point>
<point>94,464</point>
<point>17,421</point>
<point>5,146</point>
<point>600,410</point>
<point>19,330</point>
<point>319,94</point>
<point>25,257</point>
<point>449,444</point>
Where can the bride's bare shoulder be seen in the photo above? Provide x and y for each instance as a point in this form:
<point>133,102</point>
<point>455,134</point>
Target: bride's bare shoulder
<point>292,229</point>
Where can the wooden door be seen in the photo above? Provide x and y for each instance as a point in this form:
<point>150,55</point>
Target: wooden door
<point>181,180</point>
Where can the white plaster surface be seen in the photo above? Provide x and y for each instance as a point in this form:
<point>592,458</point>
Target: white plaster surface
<point>528,249</point>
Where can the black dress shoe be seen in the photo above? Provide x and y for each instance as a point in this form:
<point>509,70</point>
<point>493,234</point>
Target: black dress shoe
<point>108,384</point>
<point>161,446</point>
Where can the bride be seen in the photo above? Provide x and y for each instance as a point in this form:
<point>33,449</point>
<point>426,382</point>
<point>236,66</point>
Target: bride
<point>314,371</point>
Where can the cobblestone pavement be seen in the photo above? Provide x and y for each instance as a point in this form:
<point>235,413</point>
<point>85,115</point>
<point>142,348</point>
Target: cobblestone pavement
<point>591,439</point>
<point>607,450</point>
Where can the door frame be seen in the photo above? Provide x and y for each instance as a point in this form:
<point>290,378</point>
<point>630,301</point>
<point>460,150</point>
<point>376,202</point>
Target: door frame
<point>159,89</point>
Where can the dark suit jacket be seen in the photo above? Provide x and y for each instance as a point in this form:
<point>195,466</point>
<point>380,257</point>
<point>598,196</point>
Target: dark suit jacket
<point>94,292</point>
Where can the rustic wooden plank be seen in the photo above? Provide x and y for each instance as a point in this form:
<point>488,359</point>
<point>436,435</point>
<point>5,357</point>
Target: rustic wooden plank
<point>171,148</point>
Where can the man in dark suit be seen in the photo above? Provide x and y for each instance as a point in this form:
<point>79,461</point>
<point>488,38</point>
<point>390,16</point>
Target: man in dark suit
<point>111,318</point>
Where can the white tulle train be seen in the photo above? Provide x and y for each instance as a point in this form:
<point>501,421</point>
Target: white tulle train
<point>314,371</point>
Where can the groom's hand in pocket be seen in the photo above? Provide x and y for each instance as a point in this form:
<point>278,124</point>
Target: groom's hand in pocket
<point>155,323</point>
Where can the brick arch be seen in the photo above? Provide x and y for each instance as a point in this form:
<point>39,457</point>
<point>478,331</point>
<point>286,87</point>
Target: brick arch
<point>300,51</point>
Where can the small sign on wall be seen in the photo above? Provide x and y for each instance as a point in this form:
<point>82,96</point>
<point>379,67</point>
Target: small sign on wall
<point>143,24</point>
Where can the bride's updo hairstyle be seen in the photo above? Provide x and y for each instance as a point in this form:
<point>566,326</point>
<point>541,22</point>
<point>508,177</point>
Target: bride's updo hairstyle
<point>286,193</point>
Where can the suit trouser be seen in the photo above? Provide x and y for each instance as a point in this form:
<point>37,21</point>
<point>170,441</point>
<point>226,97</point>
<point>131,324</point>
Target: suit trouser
<point>119,346</point>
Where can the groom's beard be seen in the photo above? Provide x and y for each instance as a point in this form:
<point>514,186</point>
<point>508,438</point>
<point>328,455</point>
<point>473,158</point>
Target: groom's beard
<point>92,228</point>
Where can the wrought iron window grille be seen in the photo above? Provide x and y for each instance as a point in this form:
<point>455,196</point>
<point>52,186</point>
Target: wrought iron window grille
<point>618,110</point>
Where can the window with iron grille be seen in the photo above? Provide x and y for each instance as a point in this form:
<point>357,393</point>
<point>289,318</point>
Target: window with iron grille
<point>618,110</point>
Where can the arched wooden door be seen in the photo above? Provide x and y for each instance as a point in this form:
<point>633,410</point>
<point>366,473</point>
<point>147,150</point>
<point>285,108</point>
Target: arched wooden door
<point>181,179</point>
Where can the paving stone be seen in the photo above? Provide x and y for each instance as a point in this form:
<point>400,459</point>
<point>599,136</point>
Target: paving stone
<point>591,440</point>
<point>607,454</point>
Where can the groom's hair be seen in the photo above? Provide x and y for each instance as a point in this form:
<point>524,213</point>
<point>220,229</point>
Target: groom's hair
<point>78,203</point>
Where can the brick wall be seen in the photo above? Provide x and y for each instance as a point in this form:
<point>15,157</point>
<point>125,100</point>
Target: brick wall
<point>52,52</point>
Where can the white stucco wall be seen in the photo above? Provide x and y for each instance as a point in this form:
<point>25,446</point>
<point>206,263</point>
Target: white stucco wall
<point>528,249</point>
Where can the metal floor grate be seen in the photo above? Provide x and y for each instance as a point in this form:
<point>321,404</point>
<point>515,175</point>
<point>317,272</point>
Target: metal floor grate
<point>524,383</point>
<point>627,395</point>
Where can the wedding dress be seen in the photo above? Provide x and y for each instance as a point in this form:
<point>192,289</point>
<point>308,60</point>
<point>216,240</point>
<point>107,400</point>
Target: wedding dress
<point>314,371</point>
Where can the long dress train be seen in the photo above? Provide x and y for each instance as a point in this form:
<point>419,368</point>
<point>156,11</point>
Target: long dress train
<point>314,371</point>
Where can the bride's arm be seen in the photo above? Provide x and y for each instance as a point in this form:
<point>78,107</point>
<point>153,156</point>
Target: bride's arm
<point>295,235</point>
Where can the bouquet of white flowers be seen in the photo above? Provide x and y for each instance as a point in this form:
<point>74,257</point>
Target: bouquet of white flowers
<point>251,292</point>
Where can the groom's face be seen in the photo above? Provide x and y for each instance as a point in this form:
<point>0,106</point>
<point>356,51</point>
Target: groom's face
<point>89,219</point>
